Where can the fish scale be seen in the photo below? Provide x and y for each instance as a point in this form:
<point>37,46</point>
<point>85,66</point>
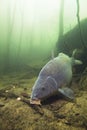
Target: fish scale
<point>54,77</point>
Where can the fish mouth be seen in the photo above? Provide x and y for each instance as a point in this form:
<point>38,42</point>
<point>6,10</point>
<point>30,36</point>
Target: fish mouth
<point>35,101</point>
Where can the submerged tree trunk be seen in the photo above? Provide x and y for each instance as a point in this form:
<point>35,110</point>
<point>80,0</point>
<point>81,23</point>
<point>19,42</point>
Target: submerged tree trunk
<point>61,24</point>
<point>78,19</point>
<point>10,24</point>
<point>18,56</point>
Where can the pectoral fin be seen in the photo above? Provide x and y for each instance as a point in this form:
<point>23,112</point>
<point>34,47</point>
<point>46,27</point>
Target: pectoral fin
<point>67,92</point>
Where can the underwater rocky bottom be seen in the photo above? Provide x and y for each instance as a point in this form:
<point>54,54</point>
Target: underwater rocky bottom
<point>56,113</point>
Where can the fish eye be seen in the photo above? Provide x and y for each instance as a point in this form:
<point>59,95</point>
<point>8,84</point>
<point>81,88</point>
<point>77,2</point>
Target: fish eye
<point>43,88</point>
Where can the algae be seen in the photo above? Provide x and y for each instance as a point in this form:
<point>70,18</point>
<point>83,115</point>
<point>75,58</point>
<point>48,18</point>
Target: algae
<point>56,113</point>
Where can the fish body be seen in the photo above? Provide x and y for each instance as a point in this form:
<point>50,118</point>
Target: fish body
<point>52,77</point>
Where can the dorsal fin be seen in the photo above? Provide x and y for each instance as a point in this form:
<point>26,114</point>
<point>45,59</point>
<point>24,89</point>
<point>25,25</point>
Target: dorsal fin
<point>52,54</point>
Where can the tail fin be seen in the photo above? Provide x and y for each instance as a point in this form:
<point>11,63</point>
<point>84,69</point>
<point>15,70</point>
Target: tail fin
<point>74,61</point>
<point>74,52</point>
<point>78,62</point>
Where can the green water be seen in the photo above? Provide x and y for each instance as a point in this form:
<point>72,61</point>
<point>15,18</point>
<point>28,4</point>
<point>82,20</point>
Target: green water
<point>29,37</point>
<point>29,30</point>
